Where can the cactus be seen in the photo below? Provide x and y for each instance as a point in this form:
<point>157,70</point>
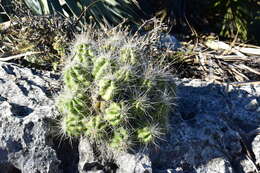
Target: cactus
<point>76,77</point>
<point>148,134</point>
<point>72,125</point>
<point>116,90</point>
<point>120,139</point>
<point>95,127</point>
<point>128,55</point>
<point>116,113</point>
<point>107,89</point>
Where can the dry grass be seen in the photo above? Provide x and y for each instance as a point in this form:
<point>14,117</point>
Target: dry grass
<point>217,61</point>
<point>212,60</point>
<point>39,41</point>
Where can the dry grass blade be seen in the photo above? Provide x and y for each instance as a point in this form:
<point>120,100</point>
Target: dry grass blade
<point>4,59</point>
<point>249,51</point>
<point>202,61</point>
<point>231,58</point>
<point>243,66</point>
<point>219,61</point>
<point>246,83</point>
<point>7,24</point>
<point>42,41</point>
<point>237,74</point>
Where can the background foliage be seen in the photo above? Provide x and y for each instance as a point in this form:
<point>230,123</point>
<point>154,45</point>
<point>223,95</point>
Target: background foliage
<point>228,18</point>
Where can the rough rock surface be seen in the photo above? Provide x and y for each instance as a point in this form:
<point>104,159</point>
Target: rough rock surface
<point>212,130</point>
<point>110,161</point>
<point>256,148</point>
<point>25,108</point>
<point>215,128</point>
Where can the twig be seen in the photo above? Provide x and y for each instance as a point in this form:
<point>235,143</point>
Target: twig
<point>245,83</point>
<point>250,51</point>
<point>4,59</point>
<point>243,66</point>
<point>85,10</point>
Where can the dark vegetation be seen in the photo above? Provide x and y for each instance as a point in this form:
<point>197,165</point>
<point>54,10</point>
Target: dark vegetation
<point>42,29</point>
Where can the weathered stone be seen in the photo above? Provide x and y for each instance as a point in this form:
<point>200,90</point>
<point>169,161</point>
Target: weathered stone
<point>129,163</point>
<point>169,42</point>
<point>87,158</point>
<point>212,130</point>
<point>247,165</point>
<point>24,129</point>
<point>110,161</point>
<point>256,148</point>
<point>216,165</point>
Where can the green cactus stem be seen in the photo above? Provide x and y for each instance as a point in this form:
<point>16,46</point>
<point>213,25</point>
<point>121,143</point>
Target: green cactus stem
<point>102,67</point>
<point>77,77</point>
<point>75,104</point>
<point>148,134</point>
<point>95,127</point>
<point>115,114</point>
<point>114,88</point>
<point>84,54</point>
<point>72,125</point>
<point>142,103</point>
<point>128,55</point>
<point>107,89</point>
<point>125,73</point>
<point>121,139</point>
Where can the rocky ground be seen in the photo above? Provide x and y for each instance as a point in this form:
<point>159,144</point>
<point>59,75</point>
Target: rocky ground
<point>214,129</point>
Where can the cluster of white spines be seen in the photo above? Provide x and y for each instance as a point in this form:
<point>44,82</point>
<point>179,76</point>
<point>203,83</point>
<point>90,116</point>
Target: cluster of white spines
<point>118,94</point>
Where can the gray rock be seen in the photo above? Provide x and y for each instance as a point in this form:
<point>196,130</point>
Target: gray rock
<point>213,129</point>
<point>247,165</point>
<point>216,165</point>
<point>87,158</point>
<point>210,130</point>
<point>110,161</point>
<point>256,148</point>
<point>169,42</point>
<point>129,163</point>
<point>24,130</point>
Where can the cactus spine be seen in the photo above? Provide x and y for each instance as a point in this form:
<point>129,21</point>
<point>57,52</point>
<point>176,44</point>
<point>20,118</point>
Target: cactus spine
<point>115,90</point>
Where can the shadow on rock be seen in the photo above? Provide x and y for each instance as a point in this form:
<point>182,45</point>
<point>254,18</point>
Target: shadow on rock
<point>212,130</point>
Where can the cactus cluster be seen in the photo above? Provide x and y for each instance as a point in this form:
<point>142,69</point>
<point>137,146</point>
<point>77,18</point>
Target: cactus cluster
<point>115,93</point>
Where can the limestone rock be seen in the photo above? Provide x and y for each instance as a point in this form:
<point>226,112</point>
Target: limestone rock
<point>213,129</point>
<point>110,161</point>
<point>24,129</point>
<point>256,148</point>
